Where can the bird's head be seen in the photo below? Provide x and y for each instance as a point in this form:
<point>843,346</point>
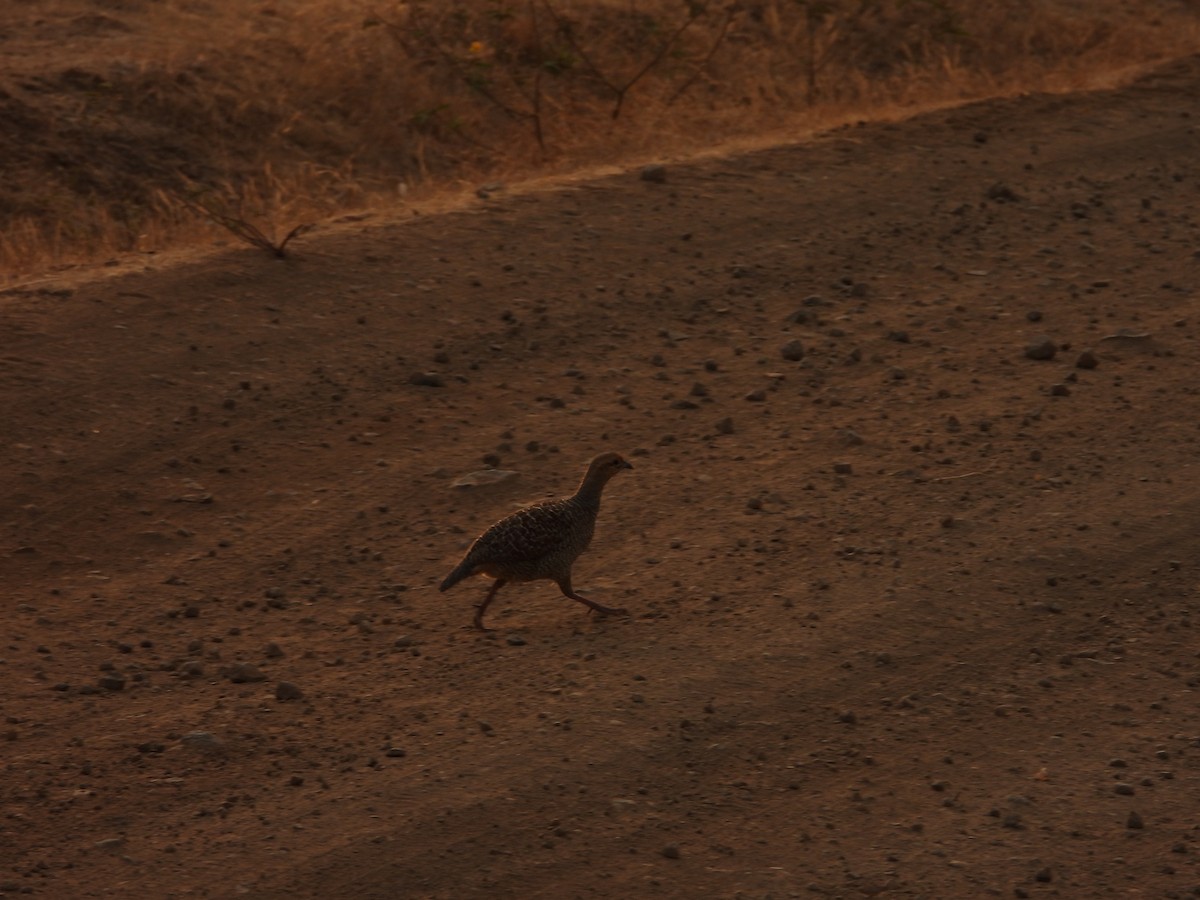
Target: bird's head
<point>606,465</point>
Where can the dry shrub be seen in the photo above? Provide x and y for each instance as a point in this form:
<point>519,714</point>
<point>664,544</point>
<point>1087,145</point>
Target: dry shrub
<point>278,117</point>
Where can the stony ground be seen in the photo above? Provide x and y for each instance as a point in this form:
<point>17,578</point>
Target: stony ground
<point>909,547</point>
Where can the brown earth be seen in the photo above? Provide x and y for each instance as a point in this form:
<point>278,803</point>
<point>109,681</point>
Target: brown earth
<point>916,621</point>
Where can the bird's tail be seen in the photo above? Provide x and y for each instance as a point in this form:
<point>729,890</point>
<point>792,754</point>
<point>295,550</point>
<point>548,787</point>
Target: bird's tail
<point>461,571</point>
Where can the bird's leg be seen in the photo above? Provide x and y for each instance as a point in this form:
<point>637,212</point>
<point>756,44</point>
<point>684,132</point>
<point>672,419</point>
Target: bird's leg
<point>568,591</point>
<point>496,585</point>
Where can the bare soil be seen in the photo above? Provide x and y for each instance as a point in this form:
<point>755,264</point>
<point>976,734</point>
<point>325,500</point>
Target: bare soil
<point>914,615</point>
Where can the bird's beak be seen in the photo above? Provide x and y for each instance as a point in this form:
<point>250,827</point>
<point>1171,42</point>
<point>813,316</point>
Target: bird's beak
<point>626,464</point>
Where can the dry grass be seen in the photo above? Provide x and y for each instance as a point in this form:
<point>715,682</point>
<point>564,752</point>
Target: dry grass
<point>152,120</point>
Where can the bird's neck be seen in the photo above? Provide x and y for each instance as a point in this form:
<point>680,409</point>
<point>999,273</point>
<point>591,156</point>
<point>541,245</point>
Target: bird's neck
<point>589,492</point>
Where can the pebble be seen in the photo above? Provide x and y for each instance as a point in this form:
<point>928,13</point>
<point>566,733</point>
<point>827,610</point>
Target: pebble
<point>1087,360</point>
<point>515,640</point>
<point>273,651</point>
<point>792,351</point>
<point>286,690</point>
<point>843,468</point>
<point>1059,390</point>
<point>203,741</point>
<point>1135,821</point>
<point>850,437</point>
<point>191,668</point>
<point>243,673</point>
<point>671,851</point>
<point>426,379</point>
<point>757,396</point>
<point>725,426</point>
<point>396,752</point>
<point>1041,348</point>
<point>112,682</point>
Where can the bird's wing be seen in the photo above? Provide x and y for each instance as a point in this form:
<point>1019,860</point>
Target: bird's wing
<point>529,534</point>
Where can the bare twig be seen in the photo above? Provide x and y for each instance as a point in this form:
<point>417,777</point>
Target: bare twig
<point>620,91</point>
<point>474,83</point>
<point>247,231</point>
<point>954,477</point>
<point>691,79</point>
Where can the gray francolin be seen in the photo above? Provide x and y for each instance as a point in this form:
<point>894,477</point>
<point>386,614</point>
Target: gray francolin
<point>541,541</point>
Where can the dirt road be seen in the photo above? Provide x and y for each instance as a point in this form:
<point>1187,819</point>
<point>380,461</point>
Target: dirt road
<point>912,615</point>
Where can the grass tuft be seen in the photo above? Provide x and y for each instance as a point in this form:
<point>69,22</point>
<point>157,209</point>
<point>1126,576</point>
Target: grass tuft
<point>113,127</point>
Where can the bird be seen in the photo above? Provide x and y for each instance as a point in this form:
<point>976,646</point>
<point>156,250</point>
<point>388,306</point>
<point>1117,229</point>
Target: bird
<point>542,541</point>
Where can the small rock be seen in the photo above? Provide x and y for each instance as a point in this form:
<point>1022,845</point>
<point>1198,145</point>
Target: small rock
<point>396,752</point>
<point>792,351</point>
<point>848,717</point>
<point>725,426</point>
<point>112,682</point>
<point>273,651</point>
<point>1087,360</point>
<point>1002,193</point>
<point>757,396</point>
<point>1034,315</point>
<point>843,468</point>
<point>191,668</point>
<point>1059,390</point>
<point>1124,789</point>
<point>286,690</point>
<point>113,843</point>
<point>515,640</point>
<point>671,851</point>
<point>426,379</point>
<point>202,741</point>
<point>243,673</point>
<point>1135,821</point>
<point>1041,348</point>
<point>655,173</point>
<point>1044,875</point>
